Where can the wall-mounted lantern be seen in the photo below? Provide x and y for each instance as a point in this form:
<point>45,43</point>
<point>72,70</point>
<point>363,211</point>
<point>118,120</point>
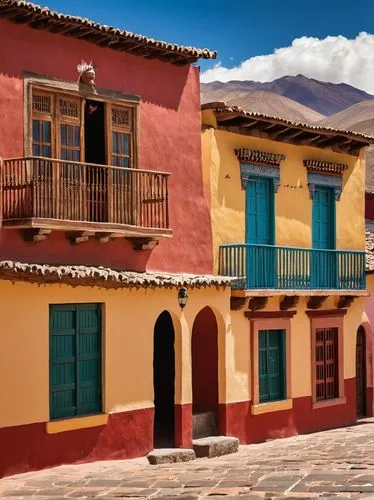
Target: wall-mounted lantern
<point>182,297</point>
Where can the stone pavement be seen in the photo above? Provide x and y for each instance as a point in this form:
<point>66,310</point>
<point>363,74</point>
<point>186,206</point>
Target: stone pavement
<point>331,464</point>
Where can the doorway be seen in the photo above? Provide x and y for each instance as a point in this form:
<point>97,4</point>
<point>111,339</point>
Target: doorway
<point>205,374</point>
<point>94,143</point>
<point>361,373</point>
<point>163,381</point>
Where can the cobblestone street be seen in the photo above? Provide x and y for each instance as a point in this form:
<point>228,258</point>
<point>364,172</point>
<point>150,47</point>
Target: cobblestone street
<point>337,463</point>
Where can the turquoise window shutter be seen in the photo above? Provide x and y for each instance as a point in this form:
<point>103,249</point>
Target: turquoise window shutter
<point>75,360</point>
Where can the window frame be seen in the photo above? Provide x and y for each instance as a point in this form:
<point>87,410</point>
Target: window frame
<point>326,319</point>
<point>269,320</point>
<point>77,91</point>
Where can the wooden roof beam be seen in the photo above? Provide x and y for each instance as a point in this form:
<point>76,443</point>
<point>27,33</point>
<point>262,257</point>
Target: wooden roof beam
<point>224,116</point>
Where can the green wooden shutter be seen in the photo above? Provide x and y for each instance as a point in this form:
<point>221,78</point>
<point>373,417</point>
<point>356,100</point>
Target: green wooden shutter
<point>75,360</point>
<point>272,379</point>
<point>62,361</point>
<point>89,359</point>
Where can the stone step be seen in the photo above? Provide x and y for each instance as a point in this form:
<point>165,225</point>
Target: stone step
<point>170,455</point>
<point>204,424</point>
<point>215,446</point>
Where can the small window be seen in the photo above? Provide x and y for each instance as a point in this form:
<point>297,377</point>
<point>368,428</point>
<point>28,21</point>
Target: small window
<point>75,360</point>
<point>326,368</point>
<point>272,365</point>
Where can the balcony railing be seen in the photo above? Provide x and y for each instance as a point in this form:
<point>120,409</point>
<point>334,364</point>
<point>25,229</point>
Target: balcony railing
<point>44,188</point>
<point>287,268</point>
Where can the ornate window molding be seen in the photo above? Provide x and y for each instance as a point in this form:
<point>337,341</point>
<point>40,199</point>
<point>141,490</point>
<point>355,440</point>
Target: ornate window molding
<point>323,173</point>
<point>248,170</point>
<point>332,181</point>
<point>259,163</point>
<point>255,156</point>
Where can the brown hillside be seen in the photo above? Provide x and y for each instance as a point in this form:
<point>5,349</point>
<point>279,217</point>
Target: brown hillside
<point>359,118</point>
<point>264,102</point>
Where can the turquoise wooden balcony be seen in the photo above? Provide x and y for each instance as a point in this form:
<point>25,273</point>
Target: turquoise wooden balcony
<point>269,267</point>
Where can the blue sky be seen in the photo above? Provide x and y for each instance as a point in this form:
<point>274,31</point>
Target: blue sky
<point>237,29</point>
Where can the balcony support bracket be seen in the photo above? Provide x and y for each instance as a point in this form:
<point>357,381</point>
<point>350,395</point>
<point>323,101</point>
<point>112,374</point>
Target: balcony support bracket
<point>77,237</point>
<point>237,303</point>
<point>316,301</point>
<point>35,235</point>
<point>345,301</point>
<point>143,243</point>
<point>257,303</point>
<point>288,302</point>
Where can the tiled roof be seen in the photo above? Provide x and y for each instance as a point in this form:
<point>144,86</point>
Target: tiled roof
<point>103,277</point>
<point>235,117</point>
<point>106,36</point>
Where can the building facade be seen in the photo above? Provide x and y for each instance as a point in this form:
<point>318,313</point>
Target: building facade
<point>100,146</point>
<point>287,203</point>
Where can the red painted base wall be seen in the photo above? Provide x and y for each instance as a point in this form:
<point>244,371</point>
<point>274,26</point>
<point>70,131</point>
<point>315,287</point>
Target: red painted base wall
<point>236,418</point>
<point>130,434</point>
<point>28,447</point>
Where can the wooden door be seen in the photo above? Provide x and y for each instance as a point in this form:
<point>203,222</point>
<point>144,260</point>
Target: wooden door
<point>361,373</point>
<point>323,264</point>
<point>261,268</point>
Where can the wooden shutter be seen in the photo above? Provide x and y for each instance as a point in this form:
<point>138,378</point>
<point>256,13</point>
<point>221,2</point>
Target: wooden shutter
<point>42,126</point>
<point>120,126</point>
<point>75,360</point>
<point>326,369</point>
<point>271,365</point>
<point>89,358</point>
<point>70,135</point>
<point>62,361</point>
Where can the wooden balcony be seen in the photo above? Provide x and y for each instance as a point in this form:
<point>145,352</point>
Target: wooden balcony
<point>269,267</point>
<point>85,200</point>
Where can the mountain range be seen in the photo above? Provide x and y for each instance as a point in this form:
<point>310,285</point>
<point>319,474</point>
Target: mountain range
<point>302,99</point>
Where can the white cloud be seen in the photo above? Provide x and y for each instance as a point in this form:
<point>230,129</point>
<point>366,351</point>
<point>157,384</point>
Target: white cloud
<point>334,59</point>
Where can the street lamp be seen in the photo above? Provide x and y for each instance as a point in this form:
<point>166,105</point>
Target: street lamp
<point>182,297</point>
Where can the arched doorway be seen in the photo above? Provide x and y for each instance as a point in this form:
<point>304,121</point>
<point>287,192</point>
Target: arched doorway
<point>361,372</point>
<point>163,381</point>
<point>205,374</point>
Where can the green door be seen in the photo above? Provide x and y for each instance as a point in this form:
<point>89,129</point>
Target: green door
<point>323,264</point>
<point>75,360</point>
<point>271,366</point>
<point>259,230</point>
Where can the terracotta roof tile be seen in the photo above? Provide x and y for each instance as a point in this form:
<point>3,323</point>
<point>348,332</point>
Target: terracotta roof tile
<point>103,277</point>
<point>106,36</point>
<point>222,107</point>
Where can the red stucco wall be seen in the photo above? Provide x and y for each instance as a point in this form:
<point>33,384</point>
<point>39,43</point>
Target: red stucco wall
<point>169,141</point>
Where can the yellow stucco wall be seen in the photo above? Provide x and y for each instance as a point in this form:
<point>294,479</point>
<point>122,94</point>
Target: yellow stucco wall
<point>293,220</point>
<point>129,319</point>
<point>293,206</point>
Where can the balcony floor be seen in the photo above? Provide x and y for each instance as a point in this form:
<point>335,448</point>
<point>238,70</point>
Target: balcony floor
<point>81,230</point>
<point>304,293</point>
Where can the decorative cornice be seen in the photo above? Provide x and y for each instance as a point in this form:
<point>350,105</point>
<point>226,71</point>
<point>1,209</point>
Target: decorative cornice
<point>269,314</point>
<point>248,170</point>
<point>333,181</point>
<point>327,313</point>
<point>262,157</point>
<point>325,167</point>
